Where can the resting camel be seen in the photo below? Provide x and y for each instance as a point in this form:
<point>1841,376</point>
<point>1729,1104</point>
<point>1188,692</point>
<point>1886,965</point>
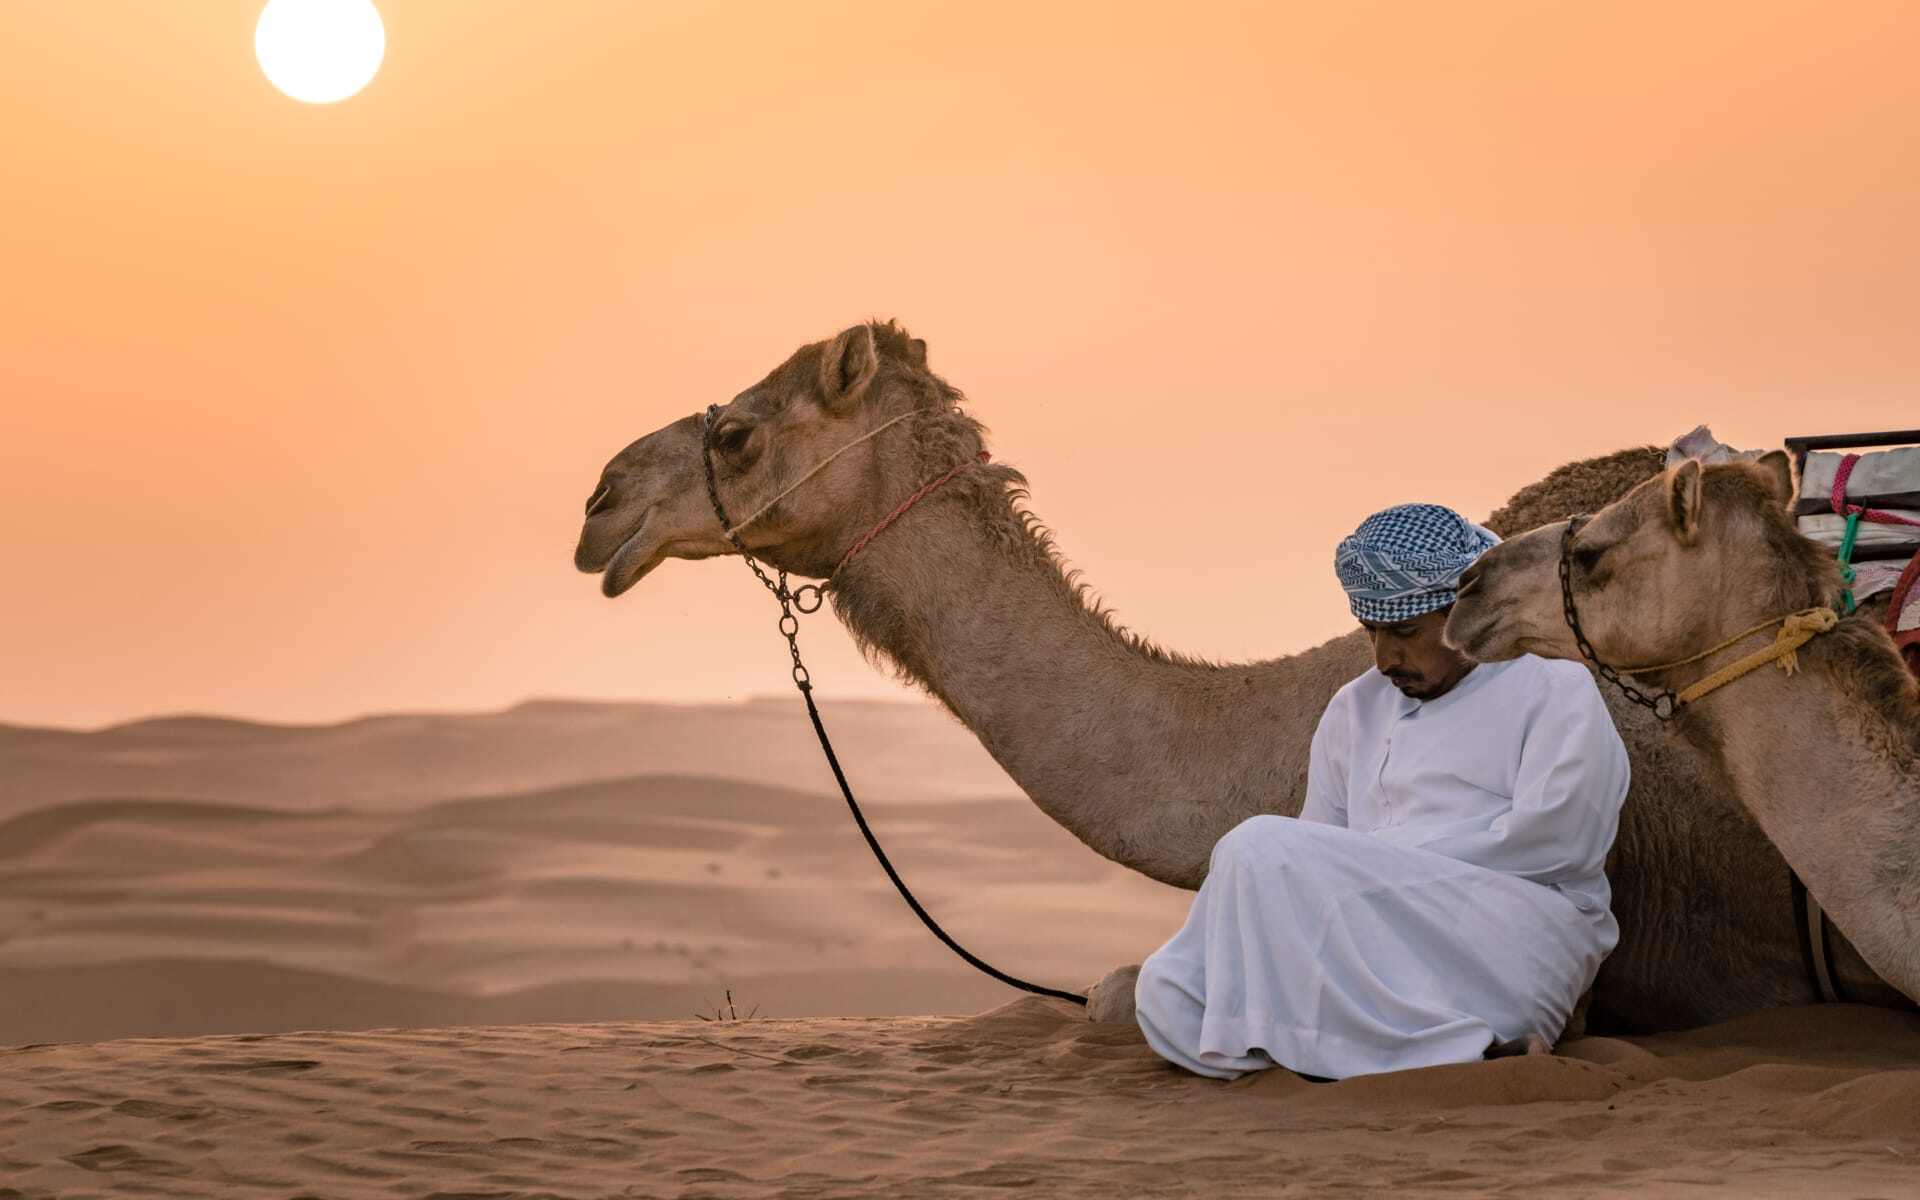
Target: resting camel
<point>1146,755</point>
<point>1823,757</point>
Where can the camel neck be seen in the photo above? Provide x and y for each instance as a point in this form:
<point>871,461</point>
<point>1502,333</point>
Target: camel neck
<point>1143,755</point>
<point>1830,781</point>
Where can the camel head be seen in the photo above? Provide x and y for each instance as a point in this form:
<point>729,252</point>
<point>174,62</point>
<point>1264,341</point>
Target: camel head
<point>651,502</point>
<point>1684,559</point>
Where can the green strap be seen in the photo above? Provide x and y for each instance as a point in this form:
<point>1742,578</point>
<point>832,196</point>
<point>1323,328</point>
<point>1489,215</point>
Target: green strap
<point>1846,562</point>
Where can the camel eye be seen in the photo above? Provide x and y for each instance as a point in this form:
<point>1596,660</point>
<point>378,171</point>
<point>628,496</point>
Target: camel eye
<point>1587,557</point>
<point>733,439</point>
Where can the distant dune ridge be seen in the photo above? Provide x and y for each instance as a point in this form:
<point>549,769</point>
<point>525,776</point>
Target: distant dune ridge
<point>201,875</point>
<point>910,750</point>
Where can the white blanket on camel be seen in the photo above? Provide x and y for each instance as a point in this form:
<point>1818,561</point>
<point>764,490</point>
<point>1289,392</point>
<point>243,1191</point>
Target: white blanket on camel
<point>1443,889</point>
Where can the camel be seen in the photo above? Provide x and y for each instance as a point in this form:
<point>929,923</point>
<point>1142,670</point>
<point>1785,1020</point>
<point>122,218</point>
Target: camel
<point>1146,755</point>
<point>1825,755</point>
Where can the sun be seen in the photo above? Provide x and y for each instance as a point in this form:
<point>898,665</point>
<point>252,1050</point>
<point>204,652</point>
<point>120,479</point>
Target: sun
<point>320,51</point>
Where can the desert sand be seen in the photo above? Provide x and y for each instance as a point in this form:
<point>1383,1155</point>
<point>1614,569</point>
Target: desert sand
<point>1029,1097</point>
<point>463,954</point>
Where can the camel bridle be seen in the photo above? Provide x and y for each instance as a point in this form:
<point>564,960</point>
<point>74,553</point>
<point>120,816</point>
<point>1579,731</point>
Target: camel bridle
<point>807,599</point>
<point>1796,630</point>
<point>1667,704</point>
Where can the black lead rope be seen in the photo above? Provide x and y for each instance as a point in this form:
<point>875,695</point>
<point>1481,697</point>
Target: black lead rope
<point>790,629</point>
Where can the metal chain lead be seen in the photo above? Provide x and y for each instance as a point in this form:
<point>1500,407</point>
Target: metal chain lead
<point>790,629</point>
<point>1666,706</point>
<point>789,624</point>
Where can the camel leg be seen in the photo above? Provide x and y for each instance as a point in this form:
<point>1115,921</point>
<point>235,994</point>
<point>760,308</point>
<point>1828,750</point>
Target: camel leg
<point>1112,998</point>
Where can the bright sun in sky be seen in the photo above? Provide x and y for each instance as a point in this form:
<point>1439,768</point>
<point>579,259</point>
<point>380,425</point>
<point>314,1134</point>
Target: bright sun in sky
<point>320,51</point>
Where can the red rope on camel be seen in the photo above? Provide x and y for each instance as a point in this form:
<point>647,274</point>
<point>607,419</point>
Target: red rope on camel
<point>1839,499</point>
<point>897,513</point>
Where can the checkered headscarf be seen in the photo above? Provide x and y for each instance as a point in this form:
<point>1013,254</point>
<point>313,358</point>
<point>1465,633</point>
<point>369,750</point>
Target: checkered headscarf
<point>1407,560</point>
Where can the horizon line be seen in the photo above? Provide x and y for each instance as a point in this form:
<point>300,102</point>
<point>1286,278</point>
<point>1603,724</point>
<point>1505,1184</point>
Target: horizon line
<point>187,715</point>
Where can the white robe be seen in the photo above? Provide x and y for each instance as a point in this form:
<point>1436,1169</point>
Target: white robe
<point>1444,887</point>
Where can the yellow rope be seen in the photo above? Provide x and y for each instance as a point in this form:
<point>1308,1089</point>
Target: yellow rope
<point>1796,630</point>
<point>1693,658</point>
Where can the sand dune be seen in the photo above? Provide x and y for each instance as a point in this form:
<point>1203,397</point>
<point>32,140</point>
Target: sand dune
<point>1027,1097</point>
<point>907,751</point>
<point>637,898</point>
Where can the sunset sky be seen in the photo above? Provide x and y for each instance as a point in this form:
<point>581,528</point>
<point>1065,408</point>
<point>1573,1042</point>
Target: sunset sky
<point>299,405</point>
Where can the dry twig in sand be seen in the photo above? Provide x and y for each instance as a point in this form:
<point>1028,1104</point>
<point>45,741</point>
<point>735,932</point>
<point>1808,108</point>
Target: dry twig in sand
<point>730,1013</point>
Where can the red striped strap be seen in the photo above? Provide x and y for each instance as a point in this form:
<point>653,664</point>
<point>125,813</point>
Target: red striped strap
<point>1839,498</point>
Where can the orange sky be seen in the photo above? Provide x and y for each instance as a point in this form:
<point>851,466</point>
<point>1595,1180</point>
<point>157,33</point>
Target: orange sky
<point>299,406</point>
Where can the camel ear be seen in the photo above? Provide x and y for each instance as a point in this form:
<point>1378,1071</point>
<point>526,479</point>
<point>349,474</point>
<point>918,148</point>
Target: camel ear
<point>848,367</point>
<point>917,353</point>
<point>1777,469</point>
<point>1683,501</point>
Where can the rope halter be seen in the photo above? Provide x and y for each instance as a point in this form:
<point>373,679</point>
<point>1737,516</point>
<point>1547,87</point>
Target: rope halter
<point>807,597</point>
<point>1796,630</point>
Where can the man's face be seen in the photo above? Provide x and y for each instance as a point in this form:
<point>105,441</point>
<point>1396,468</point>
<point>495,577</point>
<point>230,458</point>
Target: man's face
<point>1410,654</point>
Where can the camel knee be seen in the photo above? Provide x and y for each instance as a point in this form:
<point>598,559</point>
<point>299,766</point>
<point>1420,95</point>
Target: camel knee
<point>1111,1000</point>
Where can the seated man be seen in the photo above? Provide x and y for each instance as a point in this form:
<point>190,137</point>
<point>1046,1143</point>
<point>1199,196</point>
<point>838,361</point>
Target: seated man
<point>1443,893</point>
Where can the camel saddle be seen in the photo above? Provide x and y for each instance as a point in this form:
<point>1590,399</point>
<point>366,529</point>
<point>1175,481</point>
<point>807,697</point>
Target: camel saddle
<point>1866,483</point>
<point>1860,494</point>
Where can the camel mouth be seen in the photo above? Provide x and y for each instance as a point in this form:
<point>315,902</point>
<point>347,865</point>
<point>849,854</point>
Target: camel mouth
<point>632,561</point>
<point>1475,641</point>
<point>650,543</point>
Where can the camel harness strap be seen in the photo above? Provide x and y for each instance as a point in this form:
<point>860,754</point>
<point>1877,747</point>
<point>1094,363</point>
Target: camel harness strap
<point>1796,630</point>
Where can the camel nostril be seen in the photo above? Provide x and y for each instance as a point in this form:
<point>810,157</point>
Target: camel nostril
<point>600,499</point>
